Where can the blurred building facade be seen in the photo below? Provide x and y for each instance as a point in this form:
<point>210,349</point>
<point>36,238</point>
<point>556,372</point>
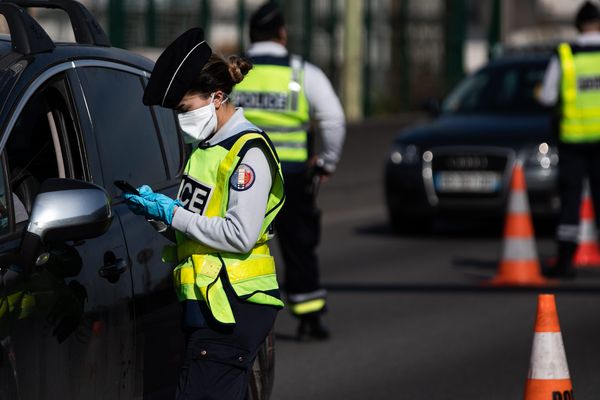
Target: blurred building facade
<point>411,49</point>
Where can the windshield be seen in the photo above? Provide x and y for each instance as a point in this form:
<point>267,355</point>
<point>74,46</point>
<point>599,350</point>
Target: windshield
<point>500,90</point>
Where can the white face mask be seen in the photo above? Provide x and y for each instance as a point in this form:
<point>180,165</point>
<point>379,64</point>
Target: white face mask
<point>199,124</point>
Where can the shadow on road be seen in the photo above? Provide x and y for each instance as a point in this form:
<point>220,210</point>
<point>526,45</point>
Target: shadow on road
<point>474,263</point>
<point>478,270</point>
<point>452,229</point>
<point>458,288</point>
<point>439,230</point>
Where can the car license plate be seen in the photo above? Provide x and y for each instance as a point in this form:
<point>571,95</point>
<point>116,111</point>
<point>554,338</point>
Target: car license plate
<point>467,181</point>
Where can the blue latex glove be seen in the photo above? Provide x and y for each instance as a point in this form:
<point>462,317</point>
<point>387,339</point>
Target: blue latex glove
<point>145,190</point>
<point>136,207</point>
<point>153,205</point>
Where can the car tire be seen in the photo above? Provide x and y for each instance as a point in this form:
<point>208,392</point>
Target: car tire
<point>263,371</point>
<point>8,376</point>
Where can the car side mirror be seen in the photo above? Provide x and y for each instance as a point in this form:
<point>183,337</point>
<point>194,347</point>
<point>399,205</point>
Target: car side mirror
<point>432,106</point>
<point>65,209</point>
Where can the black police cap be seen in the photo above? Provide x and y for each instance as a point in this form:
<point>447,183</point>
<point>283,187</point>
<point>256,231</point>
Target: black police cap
<point>588,12</point>
<point>176,68</point>
<point>268,18</point>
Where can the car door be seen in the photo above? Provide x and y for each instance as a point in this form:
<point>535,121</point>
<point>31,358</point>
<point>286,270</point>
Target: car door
<point>140,145</point>
<point>67,329</point>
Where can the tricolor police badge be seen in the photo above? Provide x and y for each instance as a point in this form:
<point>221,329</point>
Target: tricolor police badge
<point>243,178</point>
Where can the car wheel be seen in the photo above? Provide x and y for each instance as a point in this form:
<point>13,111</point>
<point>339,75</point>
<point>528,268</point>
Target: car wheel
<point>263,371</point>
<point>8,377</point>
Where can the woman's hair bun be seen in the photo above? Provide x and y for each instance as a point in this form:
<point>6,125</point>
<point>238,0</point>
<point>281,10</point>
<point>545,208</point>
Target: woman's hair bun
<point>238,68</point>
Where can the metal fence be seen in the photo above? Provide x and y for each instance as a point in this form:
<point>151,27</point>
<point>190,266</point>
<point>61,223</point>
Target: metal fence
<point>412,49</point>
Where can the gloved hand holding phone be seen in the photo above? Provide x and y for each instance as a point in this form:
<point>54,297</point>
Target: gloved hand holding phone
<point>150,204</point>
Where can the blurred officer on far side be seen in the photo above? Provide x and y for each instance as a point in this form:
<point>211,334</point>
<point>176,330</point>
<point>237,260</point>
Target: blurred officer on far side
<point>282,95</point>
<point>572,84</point>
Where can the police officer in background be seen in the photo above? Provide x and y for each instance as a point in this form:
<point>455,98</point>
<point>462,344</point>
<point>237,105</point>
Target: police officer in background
<point>231,190</point>
<point>282,95</point>
<point>572,85</point>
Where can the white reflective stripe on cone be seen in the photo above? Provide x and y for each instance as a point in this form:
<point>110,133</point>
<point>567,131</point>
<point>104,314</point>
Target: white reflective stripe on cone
<point>518,202</point>
<point>519,249</point>
<point>588,232</point>
<point>586,189</point>
<point>548,358</point>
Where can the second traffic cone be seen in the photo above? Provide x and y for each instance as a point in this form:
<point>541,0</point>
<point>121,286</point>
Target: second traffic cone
<point>519,264</point>
<point>588,251</point>
<point>548,377</point>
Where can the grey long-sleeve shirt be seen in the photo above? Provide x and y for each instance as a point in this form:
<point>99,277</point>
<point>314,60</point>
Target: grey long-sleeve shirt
<point>324,104</point>
<point>239,230</point>
<point>549,94</point>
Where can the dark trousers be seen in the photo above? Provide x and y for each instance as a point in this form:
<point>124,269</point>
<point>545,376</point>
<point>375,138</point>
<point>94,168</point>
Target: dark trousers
<point>577,161</point>
<point>218,359</point>
<point>298,227</point>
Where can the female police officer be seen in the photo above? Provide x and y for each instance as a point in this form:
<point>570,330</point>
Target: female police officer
<point>231,190</point>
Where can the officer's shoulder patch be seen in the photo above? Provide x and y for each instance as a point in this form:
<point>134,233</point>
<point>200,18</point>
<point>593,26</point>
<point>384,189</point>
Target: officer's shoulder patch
<point>243,178</point>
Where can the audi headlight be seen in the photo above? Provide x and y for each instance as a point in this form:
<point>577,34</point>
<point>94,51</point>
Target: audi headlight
<point>543,156</point>
<point>405,154</point>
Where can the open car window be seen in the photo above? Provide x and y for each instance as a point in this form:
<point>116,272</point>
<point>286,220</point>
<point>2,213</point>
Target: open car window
<point>42,144</point>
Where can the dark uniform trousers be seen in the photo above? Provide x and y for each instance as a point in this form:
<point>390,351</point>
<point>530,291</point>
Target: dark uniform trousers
<point>218,359</point>
<point>298,232</point>
<point>577,161</point>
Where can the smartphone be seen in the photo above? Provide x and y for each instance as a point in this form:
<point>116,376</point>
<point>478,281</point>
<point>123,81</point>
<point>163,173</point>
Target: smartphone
<point>126,187</point>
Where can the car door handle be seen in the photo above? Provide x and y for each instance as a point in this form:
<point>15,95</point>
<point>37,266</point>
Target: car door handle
<point>113,270</point>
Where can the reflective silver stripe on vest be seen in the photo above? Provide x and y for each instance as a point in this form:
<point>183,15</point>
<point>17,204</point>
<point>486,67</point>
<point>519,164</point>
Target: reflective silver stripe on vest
<point>285,129</point>
<point>288,145</point>
<point>294,85</point>
<point>567,233</point>
<point>519,249</point>
<point>304,297</point>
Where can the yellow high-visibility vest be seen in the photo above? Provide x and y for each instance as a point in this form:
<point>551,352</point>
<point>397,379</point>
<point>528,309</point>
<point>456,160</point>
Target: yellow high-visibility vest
<point>273,99</point>
<point>580,95</point>
<point>199,274</point>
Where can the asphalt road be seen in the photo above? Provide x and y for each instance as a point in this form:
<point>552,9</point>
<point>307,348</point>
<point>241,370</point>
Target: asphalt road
<point>409,316</point>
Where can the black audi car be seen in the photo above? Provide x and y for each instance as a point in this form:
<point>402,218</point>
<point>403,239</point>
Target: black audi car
<point>460,164</point>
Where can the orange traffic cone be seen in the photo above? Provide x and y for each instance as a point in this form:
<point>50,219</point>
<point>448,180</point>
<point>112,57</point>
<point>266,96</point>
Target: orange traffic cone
<point>588,251</point>
<point>548,371</point>
<point>519,264</point>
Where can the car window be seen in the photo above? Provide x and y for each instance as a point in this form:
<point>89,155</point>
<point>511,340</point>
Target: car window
<point>467,94</point>
<point>126,136</point>
<point>500,90</point>
<point>42,144</point>
<point>507,89</point>
<point>169,130</point>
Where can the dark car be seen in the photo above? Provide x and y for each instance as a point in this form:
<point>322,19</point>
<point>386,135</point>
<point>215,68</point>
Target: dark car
<point>87,307</point>
<point>461,163</point>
